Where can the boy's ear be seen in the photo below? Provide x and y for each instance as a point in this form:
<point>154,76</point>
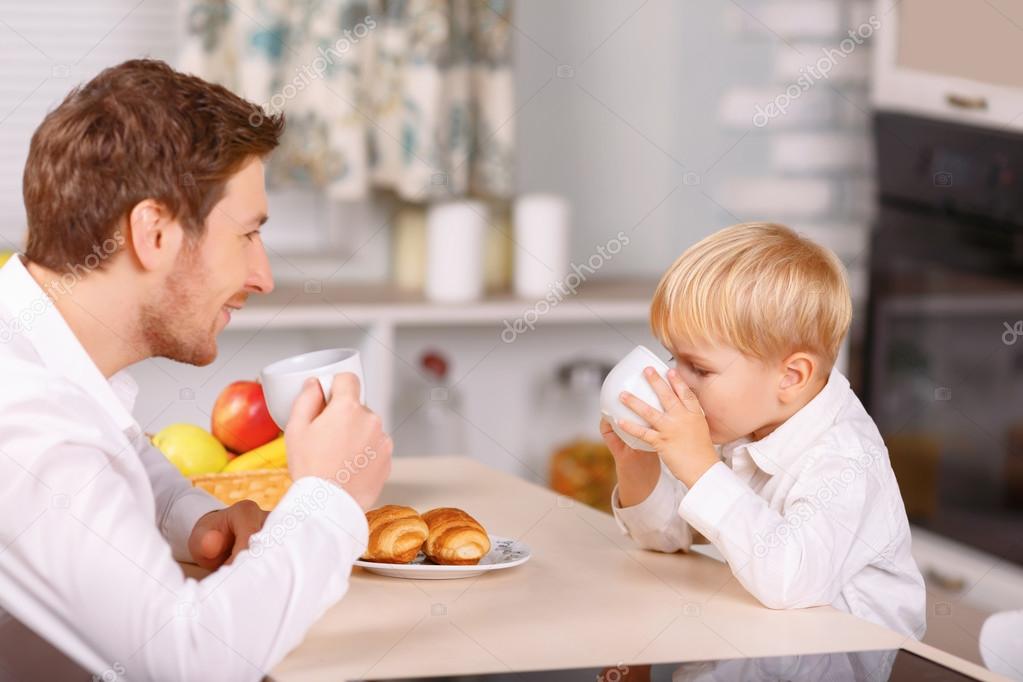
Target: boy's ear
<point>797,373</point>
<point>155,236</point>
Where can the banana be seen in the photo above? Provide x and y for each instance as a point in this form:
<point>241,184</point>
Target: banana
<point>268,456</point>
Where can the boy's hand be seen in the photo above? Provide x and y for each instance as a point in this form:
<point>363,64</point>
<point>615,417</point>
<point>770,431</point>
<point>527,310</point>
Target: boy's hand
<point>637,470</point>
<point>679,434</point>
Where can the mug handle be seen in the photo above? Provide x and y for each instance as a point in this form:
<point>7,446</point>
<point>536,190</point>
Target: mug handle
<point>325,383</point>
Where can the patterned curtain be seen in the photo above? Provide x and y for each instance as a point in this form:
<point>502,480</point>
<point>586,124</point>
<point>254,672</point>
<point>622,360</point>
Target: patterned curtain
<point>415,96</point>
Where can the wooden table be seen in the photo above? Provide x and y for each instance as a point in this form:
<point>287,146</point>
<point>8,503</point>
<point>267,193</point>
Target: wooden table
<point>587,598</point>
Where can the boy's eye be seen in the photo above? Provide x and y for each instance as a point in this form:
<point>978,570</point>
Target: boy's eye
<point>698,371</point>
<point>252,235</point>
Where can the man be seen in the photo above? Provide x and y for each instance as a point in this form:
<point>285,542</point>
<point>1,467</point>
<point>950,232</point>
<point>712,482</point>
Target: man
<point>144,194</point>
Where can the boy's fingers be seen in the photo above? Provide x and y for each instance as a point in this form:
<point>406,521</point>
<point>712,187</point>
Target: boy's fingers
<point>664,392</point>
<point>611,439</point>
<point>643,433</point>
<point>643,409</point>
<point>685,394</point>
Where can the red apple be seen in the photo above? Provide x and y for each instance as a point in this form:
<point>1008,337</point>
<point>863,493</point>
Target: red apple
<point>240,418</point>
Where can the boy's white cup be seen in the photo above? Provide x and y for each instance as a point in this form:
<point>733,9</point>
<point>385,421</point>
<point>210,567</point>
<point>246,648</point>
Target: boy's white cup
<point>627,375</point>
<point>282,380</point>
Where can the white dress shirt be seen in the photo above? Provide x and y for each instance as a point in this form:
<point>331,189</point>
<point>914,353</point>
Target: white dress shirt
<point>93,518</point>
<point>809,515</point>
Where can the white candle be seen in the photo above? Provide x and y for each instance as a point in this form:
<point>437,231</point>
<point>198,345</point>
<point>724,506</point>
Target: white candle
<point>541,243</point>
<point>454,251</point>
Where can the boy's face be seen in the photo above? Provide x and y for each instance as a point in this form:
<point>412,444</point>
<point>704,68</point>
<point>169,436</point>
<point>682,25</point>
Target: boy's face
<point>739,394</point>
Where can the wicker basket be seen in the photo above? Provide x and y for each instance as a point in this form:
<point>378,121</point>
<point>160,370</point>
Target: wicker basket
<point>265,487</point>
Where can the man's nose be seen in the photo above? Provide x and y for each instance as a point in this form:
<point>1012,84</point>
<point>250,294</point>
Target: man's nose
<point>260,277</point>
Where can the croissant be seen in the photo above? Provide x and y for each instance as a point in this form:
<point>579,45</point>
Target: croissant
<point>396,534</point>
<point>455,537</point>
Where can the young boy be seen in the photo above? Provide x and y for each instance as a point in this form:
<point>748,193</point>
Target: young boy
<point>761,447</point>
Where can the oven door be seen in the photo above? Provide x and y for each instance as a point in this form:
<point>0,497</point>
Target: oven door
<point>944,371</point>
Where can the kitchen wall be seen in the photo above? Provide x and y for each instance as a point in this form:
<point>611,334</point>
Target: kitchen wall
<point>642,113</point>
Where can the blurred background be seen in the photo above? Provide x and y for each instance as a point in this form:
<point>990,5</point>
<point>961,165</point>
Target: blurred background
<point>481,198</point>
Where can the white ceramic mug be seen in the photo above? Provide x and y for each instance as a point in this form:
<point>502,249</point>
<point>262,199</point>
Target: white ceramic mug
<point>282,380</point>
<point>627,375</point>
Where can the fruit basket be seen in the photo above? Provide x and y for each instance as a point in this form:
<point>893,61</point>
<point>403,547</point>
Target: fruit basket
<point>240,423</point>
<point>265,487</point>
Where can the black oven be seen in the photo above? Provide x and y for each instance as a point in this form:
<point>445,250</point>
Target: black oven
<point>943,363</point>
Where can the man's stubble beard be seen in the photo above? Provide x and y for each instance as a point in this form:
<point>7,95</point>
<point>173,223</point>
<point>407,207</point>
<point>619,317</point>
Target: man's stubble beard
<point>173,326</point>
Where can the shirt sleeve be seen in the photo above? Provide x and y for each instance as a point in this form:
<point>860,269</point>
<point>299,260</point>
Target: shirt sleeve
<point>655,523</point>
<point>85,567</point>
<point>798,559</point>
<point>178,503</point>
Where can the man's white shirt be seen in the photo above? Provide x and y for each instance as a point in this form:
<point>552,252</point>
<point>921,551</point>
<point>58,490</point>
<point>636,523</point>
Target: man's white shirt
<point>807,516</point>
<point>94,517</point>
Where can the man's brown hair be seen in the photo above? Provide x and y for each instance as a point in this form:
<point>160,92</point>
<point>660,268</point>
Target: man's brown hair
<point>139,130</point>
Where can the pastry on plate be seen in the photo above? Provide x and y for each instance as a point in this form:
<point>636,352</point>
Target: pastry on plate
<point>455,538</point>
<point>396,534</point>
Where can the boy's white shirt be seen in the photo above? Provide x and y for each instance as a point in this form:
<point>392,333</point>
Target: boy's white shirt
<point>95,517</point>
<point>807,516</point>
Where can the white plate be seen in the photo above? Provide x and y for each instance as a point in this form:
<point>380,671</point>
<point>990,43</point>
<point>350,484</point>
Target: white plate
<point>504,553</point>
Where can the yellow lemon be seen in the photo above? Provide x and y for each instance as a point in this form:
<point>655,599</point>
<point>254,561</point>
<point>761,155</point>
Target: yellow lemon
<point>192,449</point>
<point>5,256</point>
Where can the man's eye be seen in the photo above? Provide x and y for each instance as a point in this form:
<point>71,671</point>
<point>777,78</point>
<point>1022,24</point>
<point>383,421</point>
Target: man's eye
<point>252,235</point>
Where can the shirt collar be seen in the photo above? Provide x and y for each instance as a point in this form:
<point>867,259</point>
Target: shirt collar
<point>776,452</point>
<point>58,347</point>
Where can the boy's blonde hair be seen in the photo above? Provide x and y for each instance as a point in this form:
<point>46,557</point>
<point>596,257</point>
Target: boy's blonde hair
<point>758,287</point>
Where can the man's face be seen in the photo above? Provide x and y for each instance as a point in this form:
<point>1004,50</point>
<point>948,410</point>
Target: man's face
<point>212,276</point>
<point>739,394</point>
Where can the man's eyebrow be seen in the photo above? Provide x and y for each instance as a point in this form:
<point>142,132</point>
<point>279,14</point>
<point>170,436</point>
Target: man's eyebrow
<point>260,219</point>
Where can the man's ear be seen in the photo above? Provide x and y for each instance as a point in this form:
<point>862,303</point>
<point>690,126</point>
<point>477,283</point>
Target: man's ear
<point>155,236</point>
<point>797,374</point>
